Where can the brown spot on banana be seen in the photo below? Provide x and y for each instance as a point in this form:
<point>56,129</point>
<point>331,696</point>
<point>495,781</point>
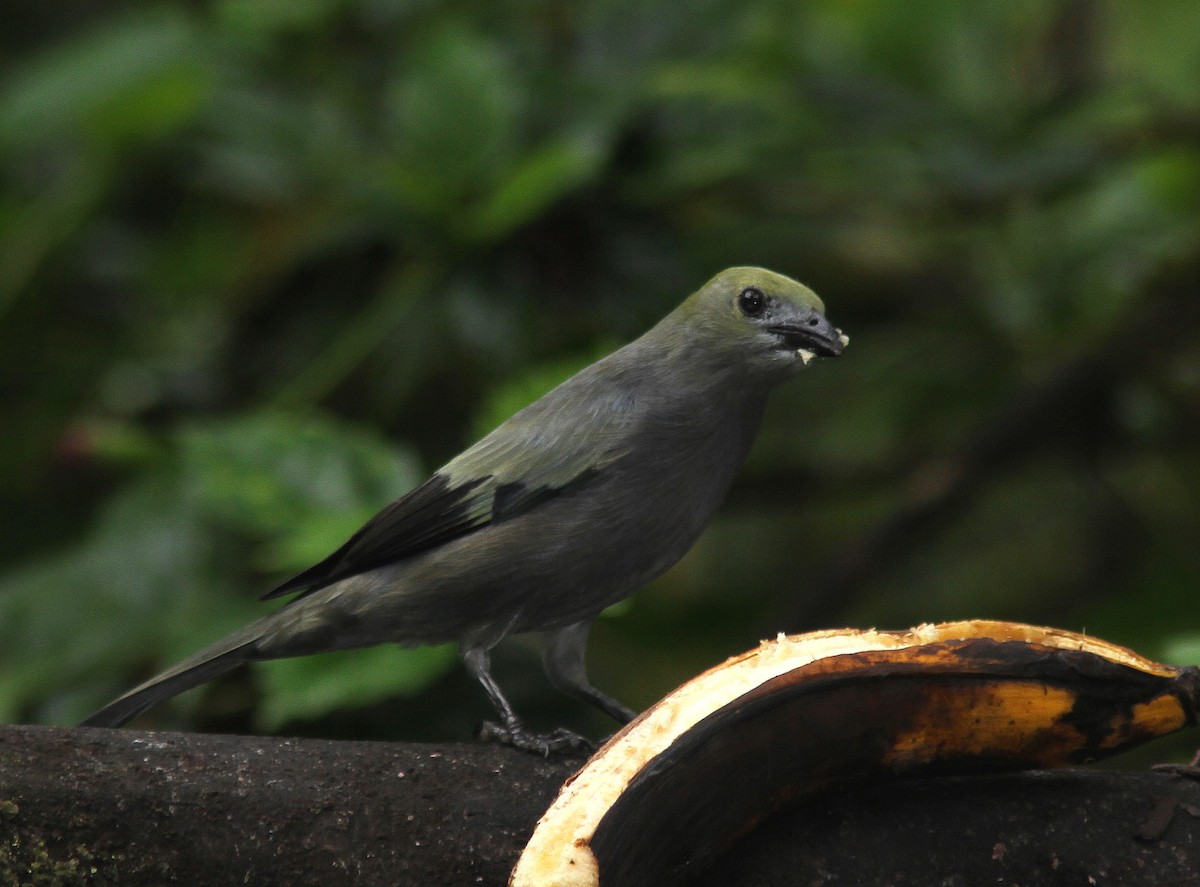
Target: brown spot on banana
<point>669,792</point>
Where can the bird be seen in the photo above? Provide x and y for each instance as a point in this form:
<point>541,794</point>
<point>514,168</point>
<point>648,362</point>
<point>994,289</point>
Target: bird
<point>571,505</point>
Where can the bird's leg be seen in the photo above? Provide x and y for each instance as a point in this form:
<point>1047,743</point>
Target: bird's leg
<point>511,731</point>
<point>563,659</point>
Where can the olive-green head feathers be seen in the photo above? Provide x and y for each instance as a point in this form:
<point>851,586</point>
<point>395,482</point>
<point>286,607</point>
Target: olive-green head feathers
<point>759,320</point>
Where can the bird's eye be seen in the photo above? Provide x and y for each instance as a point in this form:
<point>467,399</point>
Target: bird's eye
<point>752,301</point>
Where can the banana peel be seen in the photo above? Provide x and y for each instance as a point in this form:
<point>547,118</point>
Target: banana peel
<point>669,792</point>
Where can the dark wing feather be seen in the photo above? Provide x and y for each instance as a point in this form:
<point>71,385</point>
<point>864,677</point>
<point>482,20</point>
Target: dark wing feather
<point>515,498</point>
<point>431,515</point>
<point>428,516</point>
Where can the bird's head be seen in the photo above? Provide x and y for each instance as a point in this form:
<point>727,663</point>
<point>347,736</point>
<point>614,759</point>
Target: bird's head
<point>765,322</point>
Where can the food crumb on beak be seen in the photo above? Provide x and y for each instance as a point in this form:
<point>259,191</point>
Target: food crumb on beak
<point>843,338</point>
<point>806,355</point>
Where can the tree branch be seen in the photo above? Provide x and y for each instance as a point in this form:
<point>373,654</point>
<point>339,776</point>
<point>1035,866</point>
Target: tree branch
<point>100,807</point>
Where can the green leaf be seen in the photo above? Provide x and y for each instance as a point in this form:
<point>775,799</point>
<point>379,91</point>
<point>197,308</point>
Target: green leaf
<point>266,471</point>
<point>162,570</point>
<point>311,686</point>
<point>453,118</point>
<point>269,17</point>
<point>78,619</point>
<point>1182,649</point>
<point>141,70</point>
<point>537,181</point>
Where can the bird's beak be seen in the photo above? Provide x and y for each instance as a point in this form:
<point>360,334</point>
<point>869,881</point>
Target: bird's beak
<point>811,334</point>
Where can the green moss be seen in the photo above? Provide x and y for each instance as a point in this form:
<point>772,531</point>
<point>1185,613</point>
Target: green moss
<point>30,863</point>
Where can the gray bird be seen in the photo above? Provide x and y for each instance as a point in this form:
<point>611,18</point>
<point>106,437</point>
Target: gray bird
<point>571,505</point>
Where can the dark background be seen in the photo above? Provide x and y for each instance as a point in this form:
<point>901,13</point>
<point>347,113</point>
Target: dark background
<point>265,263</point>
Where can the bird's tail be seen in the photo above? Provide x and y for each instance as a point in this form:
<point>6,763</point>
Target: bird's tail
<point>211,662</point>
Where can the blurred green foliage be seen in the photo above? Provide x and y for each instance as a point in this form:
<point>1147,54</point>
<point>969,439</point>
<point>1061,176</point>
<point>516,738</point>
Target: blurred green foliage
<point>263,264</point>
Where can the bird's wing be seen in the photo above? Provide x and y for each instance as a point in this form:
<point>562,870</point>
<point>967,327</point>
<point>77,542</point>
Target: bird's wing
<point>513,470</point>
<point>435,512</point>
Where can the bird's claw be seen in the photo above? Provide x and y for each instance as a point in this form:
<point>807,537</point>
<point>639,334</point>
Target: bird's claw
<point>1184,771</point>
<point>1190,770</point>
<point>560,741</point>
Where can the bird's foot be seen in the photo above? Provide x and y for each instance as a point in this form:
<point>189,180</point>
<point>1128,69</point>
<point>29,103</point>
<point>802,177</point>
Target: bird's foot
<point>560,741</point>
<point>1190,770</point>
